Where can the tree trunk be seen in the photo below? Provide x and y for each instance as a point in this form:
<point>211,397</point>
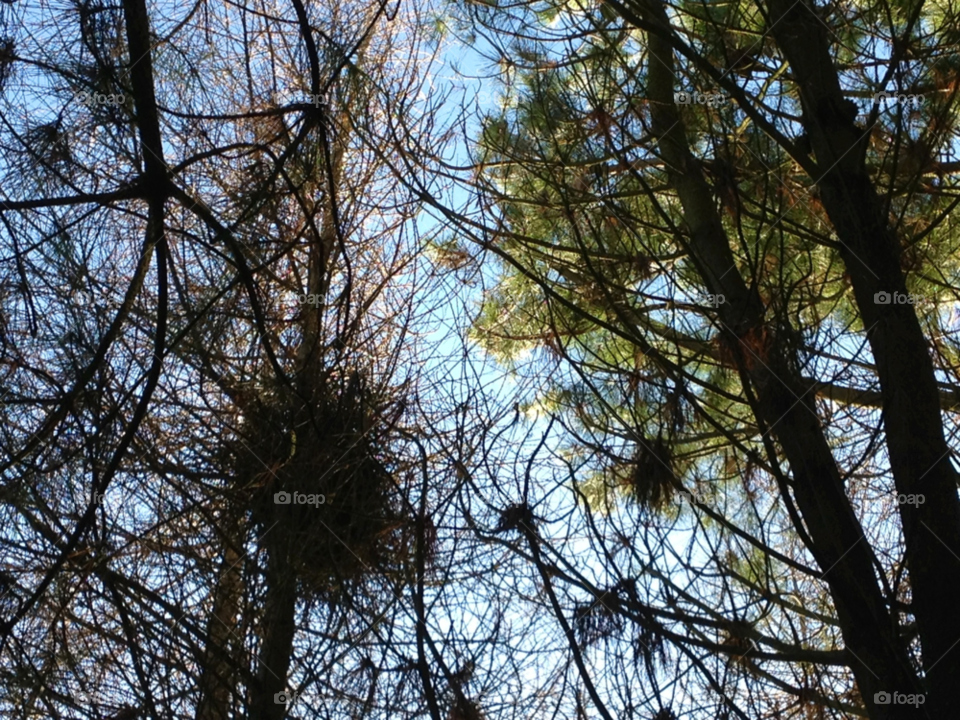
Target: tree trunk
<point>218,681</point>
<point>785,406</point>
<point>276,639</point>
<point>919,455</point>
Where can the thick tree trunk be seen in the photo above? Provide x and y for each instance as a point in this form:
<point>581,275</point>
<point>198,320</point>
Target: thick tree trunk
<point>276,639</point>
<point>218,681</point>
<point>919,455</point>
<point>785,406</point>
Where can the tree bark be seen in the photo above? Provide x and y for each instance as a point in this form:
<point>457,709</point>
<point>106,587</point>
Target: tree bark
<point>919,455</point>
<point>218,680</point>
<point>785,406</point>
<point>276,639</point>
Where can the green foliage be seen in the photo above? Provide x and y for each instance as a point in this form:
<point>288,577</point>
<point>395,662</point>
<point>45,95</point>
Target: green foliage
<point>602,243</point>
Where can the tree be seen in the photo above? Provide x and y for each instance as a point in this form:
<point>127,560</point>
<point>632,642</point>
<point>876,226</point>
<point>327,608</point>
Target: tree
<point>209,304</point>
<point>710,238</point>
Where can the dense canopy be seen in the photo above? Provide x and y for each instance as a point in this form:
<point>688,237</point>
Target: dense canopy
<point>479,359</point>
